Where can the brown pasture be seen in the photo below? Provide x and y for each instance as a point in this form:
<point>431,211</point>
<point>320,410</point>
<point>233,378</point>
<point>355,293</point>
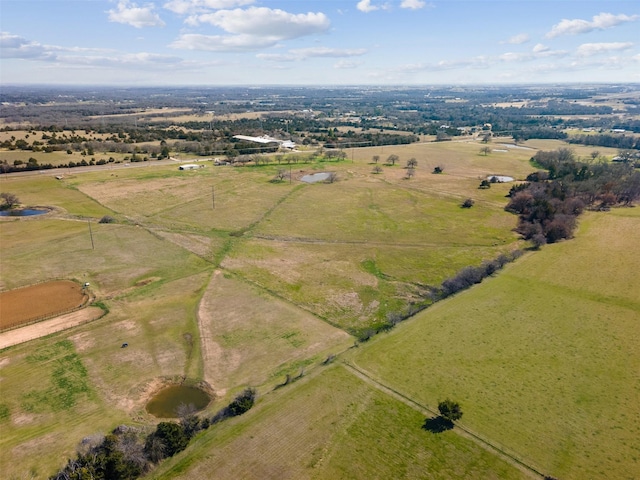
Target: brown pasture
<point>38,302</point>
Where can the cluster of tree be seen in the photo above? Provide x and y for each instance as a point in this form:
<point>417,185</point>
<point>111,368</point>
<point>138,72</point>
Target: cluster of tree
<point>20,166</point>
<point>550,202</point>
<point>127,453</point>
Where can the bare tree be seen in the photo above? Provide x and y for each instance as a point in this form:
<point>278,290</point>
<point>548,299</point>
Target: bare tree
<point>375,158</point>
<point>410,173</point>
<point>485,151</point>
<point>10,200</point>
<point>377,169</point>
<point>412,163</point>
<point>392,159</point>
<point>281,175</point>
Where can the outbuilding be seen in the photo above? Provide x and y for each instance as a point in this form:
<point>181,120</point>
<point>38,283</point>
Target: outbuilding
<point>190,166</point>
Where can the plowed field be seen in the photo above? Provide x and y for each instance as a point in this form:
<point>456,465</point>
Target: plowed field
<point>45,300</point>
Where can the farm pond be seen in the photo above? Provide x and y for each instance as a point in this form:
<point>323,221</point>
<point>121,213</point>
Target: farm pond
<point>23,212</point>
<point>166,403</point>
<point>315,177</point>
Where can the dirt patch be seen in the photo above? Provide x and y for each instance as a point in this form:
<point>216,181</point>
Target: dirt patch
<point>39,302</point>
<point>47,327</point>
<point>146,281</point>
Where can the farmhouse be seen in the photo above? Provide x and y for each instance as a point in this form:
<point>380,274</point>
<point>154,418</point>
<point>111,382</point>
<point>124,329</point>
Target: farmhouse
<point>190,166</point>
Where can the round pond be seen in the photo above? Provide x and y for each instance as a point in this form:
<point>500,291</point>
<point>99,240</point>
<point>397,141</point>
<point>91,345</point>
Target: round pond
<point>166,403</point>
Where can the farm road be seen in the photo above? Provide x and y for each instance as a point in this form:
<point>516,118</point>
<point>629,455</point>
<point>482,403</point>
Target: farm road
<point>512,459</point>
<point>47,327</point>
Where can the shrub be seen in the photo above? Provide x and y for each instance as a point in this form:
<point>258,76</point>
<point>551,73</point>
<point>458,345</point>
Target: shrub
<point>107,219</point>
<point>169,438</point>
<point>468,203</point>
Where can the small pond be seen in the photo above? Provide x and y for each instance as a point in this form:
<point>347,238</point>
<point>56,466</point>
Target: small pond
<point>315,177</point>
<point>500,178</point>
<point>22,212</point>
<point>165,403</point>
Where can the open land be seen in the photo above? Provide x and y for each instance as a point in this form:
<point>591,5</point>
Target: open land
<point>224,276</point>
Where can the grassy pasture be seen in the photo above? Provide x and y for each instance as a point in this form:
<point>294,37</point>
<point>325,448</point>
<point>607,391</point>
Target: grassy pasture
<point>347,252</point>
<point>253,338</point>
<point>46,190</point>
<point>331,426</point>
<point>124,255</point>
<point>544,357</point>
<point>177,200</point>
<point>49,403</point>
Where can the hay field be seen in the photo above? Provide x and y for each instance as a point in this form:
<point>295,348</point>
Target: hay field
<point>539,355</point>
<point>332,426</point>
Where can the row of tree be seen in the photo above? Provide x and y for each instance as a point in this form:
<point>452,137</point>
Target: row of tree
<point>465,278</point>
<point>127,453</point>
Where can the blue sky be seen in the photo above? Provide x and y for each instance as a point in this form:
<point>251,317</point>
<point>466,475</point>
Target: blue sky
<point>306,42</point>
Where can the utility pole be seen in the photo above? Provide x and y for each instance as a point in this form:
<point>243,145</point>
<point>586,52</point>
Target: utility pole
<point>213,198</point>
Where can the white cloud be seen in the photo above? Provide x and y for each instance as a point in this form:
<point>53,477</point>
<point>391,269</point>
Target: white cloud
<point>221,43</point>
<point>599,22</point>
<point>328,52</point>
<point>366,7</point>
<point>515,57</point>
<point>312,52</point>
<point>14,46</point>
<point>518,39</point>
<point>193,6</point>
<point>251,29</point>
<point>540,48</point>
<point>346,64</point>
<point>413,4</point>
<point>265,22</point>
<point>131,14</point>
<point>140,60</point>
<point>590,49</point>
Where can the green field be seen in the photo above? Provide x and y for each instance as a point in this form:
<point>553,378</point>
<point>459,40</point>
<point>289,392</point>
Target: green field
<point>333,426</point>
<point>544,357</point>
<point>222,276</point>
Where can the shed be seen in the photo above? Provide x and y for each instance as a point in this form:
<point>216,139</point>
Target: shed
<point>190,166</point>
